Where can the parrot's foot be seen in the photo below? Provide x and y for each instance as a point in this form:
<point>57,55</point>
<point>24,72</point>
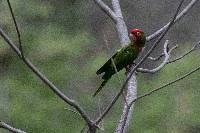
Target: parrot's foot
<point>128,69</point>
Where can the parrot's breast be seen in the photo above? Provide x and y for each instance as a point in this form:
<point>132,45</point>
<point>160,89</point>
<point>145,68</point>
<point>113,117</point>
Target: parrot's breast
<point>125,57</point>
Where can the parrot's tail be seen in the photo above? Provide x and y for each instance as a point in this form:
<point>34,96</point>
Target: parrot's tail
<point>100,87</point>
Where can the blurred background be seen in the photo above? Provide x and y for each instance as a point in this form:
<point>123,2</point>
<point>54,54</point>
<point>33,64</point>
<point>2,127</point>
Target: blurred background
<point>65,40</point>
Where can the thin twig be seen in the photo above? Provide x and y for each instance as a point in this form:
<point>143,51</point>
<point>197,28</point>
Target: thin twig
<point>17,29</point>
<point>185,54</point>
<point>167,84</point>
<point>10,128</point>
<point>181,15</point>
<point>136,66</point>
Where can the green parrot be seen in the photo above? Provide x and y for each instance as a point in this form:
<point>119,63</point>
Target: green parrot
<point>123,58</point>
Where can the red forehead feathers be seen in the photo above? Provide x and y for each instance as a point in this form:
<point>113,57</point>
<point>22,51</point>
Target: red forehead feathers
<point>135,31</point>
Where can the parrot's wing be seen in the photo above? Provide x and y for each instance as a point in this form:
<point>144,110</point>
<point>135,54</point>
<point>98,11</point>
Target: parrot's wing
<point>107,64</point>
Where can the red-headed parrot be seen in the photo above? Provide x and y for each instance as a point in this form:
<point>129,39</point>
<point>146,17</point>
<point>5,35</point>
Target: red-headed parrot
<point>123,57</point>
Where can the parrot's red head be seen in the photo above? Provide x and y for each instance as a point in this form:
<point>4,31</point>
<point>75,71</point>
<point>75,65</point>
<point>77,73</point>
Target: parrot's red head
<point>138,37</point>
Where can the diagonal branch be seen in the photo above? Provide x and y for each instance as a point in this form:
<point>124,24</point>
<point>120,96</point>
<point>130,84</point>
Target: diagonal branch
<point>45,79</point>
<point>181,15</point>
<point>135,67</point>
<point>165,61</point>
<point>167,84</point>
<point>106,10</point>
<point>10,128</point>
<point>42,77</point>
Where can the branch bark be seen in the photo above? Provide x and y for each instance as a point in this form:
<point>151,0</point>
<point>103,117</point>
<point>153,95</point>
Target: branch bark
<point>106,9</point>
<point>10,128</point>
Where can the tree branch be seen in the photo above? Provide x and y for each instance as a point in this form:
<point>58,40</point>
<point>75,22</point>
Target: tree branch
<point>167,84</point>
<point>182,14</point>
<point>106,10</point>
<point>156,58</point>
<point>10,128</point>
<point>165,61</point>
<point>45,79</point>
<point>19,52</point>
<point>16,27</point>
<point>185,54</point>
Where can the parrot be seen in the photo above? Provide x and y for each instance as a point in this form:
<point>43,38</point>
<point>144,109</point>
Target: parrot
<point>123,58</point>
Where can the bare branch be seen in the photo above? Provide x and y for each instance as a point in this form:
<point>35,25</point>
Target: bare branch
<point>185,54</point>
<point>182,14</point>
<point>17,29</point>
<point>46,80</point>
<point>10,128</point>
<point>167,84</point>
<point>106,10</point>
<point>165,61</point>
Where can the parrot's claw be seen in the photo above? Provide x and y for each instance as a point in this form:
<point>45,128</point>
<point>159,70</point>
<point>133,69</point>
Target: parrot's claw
<point>128,69</point>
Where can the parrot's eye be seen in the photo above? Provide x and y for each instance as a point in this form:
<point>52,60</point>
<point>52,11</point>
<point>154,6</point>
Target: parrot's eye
<point>133,36</point>
<point>138,34</point>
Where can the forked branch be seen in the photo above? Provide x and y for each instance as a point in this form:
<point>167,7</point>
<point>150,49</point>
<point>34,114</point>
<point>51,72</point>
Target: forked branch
<point>185,54</point>
<point>165,61</point>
